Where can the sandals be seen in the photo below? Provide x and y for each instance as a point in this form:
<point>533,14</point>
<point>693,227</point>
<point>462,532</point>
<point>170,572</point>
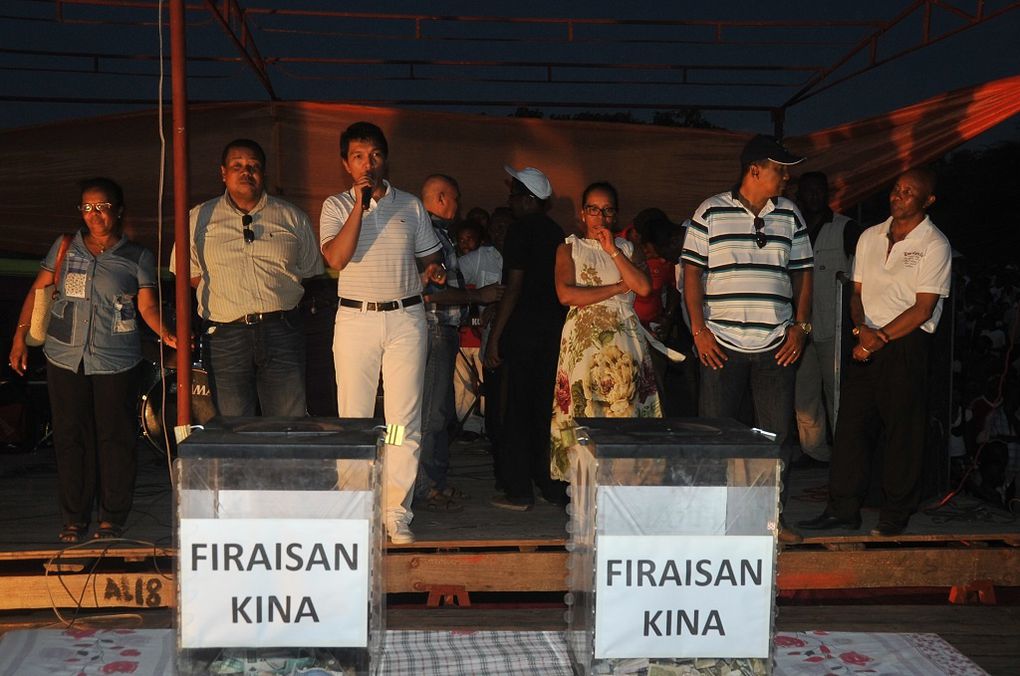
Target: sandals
<point>108,531</point>
<point>442,501</point>
<point>72,532</point>
<point>453,493</point>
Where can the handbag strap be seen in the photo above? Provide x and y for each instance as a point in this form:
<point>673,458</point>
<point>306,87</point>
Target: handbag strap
<point>65,243</point>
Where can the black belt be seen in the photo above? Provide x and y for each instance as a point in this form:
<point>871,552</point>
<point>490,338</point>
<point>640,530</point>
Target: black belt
<point>257,317</point>
<point>372,306</point>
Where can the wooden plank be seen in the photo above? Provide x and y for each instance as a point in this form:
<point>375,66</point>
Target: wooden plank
<point>877,568</point>
<point>517,571</point>
<point>127,553</point>
<point>911,538</point>
<point>104,590</point>
<point>521,544</point>
<point>477,572</point>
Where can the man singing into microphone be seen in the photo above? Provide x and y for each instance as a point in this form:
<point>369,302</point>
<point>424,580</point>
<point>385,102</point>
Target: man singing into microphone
<point>380,239</point>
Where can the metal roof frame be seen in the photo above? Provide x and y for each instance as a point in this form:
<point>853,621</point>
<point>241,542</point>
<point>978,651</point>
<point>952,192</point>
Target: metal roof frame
<point>553,43</point>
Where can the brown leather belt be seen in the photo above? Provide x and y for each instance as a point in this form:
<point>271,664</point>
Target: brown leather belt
<point>372,306</point>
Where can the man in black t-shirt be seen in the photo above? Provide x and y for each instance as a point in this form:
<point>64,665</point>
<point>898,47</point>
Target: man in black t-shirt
<point>524,343</point>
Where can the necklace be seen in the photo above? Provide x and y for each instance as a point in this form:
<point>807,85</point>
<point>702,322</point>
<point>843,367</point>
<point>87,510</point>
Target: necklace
<point>99,245</point>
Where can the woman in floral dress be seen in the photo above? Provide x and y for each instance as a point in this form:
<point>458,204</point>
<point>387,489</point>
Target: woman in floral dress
<point>604,368</point>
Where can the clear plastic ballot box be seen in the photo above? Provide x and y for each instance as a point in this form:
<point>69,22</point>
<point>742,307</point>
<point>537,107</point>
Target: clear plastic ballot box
<point>672,561</point>
<point>279,537</point>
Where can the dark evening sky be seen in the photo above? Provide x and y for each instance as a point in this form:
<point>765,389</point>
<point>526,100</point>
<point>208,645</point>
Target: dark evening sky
<point>37,52</point>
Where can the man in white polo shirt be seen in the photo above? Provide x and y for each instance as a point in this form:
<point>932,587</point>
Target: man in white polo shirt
<point>747,287</point>
<point>380,239</point>
<point>249,253</point>
<point>901,274</point>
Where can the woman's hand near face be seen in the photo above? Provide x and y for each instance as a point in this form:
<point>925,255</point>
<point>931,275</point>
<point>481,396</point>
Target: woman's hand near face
<point>604,237</point>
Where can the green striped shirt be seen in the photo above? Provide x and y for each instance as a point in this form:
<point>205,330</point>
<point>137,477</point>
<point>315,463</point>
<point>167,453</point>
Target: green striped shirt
<point>748,292</point>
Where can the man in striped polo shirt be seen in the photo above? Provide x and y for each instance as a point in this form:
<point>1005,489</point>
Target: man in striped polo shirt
<point>747,287</point>
<point>249,253</point>
<point>380,239</point>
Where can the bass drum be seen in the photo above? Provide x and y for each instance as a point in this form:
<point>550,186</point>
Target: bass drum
<point>155,417</point>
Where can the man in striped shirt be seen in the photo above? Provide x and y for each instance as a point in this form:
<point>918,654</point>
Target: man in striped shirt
<point>381,241</point>
<point>747,287</point>
<point>249,253</point>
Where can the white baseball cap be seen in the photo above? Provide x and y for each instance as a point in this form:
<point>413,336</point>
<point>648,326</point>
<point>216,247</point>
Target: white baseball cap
<point>533,179</point>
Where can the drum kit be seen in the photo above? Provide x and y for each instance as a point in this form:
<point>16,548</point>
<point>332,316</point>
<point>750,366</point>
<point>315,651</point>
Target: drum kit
<point>157,410</point>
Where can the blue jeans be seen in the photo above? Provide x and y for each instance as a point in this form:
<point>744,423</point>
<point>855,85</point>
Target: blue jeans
<point>770,386</point>
<point>260,364</point>
<point>437,406</point>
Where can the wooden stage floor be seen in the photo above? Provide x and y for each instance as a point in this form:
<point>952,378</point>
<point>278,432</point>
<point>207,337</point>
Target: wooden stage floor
<point>968,545</point>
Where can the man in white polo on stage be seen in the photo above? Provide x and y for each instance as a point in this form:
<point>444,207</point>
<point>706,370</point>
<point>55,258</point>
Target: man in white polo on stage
<point>380,239</point>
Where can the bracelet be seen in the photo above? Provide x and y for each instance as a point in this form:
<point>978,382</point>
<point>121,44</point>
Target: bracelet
<point>700,331</point>
<point>615,254</point>
<point>21,326</point>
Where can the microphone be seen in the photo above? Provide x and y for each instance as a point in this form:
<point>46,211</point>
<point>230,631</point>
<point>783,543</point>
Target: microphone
<point>366,197</point>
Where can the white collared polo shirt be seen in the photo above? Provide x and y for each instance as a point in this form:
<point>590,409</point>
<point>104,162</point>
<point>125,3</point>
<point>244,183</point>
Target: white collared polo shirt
<point>920,263</point>
<point>394,232</point>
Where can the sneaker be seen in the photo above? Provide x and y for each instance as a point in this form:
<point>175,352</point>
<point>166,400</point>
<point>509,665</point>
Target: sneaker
<point>400,534</point>
<point>515,504</point>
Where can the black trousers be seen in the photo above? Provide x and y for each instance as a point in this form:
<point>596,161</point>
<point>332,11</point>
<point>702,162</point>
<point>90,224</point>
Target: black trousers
<point>529,373</point>
<point>95,427</point>
<point>882,414</point>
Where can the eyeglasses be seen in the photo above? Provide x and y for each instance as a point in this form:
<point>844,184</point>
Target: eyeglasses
<point>592,210</point>
<point>249,234</point>
<point>759,232</point>
<point>100,207</point>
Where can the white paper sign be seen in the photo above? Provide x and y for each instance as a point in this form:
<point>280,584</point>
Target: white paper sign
<point>210,503</point>
<point>654,510</point>
<point>683,596</point>
<point>274,583</point>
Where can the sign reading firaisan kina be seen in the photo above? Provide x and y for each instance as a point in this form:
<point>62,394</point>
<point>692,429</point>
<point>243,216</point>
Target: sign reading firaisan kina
<point>683,596</point>
<point>274,583</point>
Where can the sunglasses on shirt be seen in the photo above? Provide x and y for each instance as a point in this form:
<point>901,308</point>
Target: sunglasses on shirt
<point>249,234</point>
<point>759,232</point>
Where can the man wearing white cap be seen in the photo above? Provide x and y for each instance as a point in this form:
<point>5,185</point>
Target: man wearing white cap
<point>747,288</point>
<point>525,341</point>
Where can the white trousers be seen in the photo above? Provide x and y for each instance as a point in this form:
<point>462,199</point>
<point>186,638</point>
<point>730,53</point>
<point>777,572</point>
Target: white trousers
<point>815,395</point>
<point>395,342</point>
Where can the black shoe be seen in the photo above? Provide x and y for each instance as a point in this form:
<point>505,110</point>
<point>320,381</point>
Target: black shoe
<point>887,529</point>
<point>559,499</point>
<point>826,521</point>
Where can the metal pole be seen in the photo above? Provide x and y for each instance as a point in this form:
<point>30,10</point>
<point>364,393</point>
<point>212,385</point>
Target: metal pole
<point>778,122</point>
<point>182,234</point>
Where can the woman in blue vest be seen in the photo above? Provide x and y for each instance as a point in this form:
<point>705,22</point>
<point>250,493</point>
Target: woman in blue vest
<point>93,353</point>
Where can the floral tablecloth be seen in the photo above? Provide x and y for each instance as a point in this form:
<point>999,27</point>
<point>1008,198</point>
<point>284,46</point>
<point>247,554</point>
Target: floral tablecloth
<point>145,652</point>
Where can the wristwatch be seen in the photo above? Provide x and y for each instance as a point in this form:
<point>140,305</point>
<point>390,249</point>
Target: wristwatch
<point>805,327</point>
